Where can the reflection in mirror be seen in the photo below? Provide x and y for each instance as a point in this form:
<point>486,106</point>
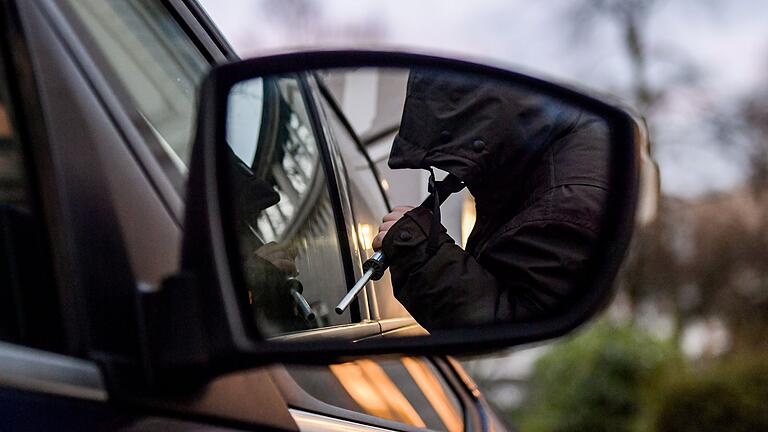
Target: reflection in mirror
<point>536,168</point>
<point>291,258</point>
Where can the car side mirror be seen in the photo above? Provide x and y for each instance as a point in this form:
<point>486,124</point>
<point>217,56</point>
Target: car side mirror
<point>554,172</point>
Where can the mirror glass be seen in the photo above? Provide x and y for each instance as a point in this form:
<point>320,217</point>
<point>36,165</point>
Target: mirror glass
<point>326,168</point>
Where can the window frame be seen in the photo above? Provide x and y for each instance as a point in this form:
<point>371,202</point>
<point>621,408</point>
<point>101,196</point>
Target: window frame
<point>375,301</point>
<point>331,109</point>
<point>342,210</point>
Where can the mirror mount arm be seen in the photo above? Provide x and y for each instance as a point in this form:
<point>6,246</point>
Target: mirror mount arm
<point>175,345</point>
<point>185,332</point>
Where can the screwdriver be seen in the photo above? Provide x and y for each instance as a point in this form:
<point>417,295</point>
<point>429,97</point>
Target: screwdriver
<point>373,269</point>
<point>296,289</point>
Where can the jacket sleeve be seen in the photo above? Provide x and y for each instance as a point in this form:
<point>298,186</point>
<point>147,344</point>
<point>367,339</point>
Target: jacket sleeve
<point>528,271</point>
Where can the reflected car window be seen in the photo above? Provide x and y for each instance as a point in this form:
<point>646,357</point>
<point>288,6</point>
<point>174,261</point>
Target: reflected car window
<point>289,242</point>
<point>246,102</point>
<point>368,204</point>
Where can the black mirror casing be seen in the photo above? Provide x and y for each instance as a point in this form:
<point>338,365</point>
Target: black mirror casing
<point>195,323</point>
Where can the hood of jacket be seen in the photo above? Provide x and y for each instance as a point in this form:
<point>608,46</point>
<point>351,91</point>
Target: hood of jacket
<point>492,134</point>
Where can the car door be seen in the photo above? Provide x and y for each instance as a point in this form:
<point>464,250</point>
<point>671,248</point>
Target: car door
<point>152,126</point>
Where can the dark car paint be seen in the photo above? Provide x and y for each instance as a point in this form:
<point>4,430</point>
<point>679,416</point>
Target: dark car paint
<point>94,193</point>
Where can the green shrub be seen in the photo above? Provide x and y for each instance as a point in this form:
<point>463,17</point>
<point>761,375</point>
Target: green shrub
<point>731,397</point>
<point>599,380</point>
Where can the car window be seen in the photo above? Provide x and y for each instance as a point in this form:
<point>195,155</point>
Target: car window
<point>155,61</point>
<point>246,110</point>
<point>28,301</point>
<point>409,390</point>
<point>285,218</point>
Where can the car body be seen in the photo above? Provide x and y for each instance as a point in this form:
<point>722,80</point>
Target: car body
<point>100,121</point>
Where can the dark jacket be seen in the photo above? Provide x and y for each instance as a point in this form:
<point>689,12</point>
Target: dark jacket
<point>273,309</point>
<point>538,171</point>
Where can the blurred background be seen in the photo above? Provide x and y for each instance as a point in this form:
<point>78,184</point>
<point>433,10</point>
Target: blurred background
<point>684,345</point>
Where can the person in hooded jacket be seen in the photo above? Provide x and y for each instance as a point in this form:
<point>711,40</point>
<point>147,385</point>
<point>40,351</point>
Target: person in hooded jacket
<point>268,267</point>
<point>538,170</point>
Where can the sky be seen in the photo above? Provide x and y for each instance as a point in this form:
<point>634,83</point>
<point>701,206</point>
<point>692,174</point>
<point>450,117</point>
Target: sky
<point>708,54</point>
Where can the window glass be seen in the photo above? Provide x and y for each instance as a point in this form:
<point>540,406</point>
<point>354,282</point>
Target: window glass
<point>29,309</point>
<point>155,61</point>
<point>289,242</point>
<point>244,118</point>
<point>409,390</point>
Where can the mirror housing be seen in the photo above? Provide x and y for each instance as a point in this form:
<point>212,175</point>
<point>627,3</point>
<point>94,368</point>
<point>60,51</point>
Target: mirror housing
<point>194,326</point>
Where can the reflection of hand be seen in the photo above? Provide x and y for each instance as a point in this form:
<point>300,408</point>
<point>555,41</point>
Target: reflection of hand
<point>389,219</point>
<point>279,255</point>
<point>268,273</point>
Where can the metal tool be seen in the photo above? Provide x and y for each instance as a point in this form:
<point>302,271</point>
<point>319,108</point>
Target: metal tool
<point>373,269</point>
<point>301,303</point>
<point>296,288</point>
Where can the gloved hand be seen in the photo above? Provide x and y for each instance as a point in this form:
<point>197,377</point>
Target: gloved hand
<point>387,222</point>
<point>268,274</point>
<point>280,255</point>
